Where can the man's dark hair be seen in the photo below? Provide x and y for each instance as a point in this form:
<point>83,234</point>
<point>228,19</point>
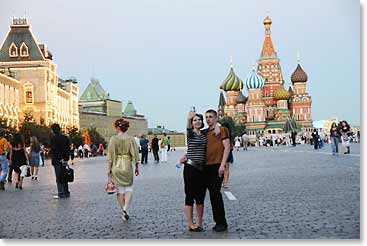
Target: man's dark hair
<point>164,134</point>
<point>56,128</point>
<point>212,111</point>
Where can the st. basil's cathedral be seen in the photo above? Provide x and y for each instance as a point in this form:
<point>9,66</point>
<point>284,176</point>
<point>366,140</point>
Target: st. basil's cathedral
<point>268,106</point>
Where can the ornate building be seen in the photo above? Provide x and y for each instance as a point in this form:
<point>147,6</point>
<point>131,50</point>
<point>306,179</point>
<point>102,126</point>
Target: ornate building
<point>268,105</point>
<point>29,75</point>
<point>98,110</point>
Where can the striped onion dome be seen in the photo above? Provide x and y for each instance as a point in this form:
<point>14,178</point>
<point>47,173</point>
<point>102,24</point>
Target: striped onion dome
<point>281,94</point>
<point>232,82</point>
<point>241,98</point>
<point>254,81</point>
<point>299,75</point>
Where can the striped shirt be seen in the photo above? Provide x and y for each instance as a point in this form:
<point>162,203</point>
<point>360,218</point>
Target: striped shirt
<point>196,148</point>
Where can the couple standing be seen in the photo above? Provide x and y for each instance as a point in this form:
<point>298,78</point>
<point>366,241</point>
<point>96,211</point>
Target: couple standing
<point>207,154</point>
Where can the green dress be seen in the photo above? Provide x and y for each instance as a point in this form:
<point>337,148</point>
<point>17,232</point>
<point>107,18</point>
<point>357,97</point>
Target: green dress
<point>123,153</point>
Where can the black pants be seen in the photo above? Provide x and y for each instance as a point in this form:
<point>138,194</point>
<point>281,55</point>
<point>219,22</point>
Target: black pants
<point>315,143</point>
<point>62,187</point>
<point>156,156</point>
<point>144,155</point>
<point>214,184</point>
<point>10,173</point>
<point>194,185</point>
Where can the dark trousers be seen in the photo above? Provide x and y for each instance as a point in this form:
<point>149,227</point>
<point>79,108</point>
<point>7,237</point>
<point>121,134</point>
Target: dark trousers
<point>62,187</point>
<point>194,186</point>
<point>315,143</point>
<point>144,155</point>
<point>156,156</point>
<point>10,173</point>
<point>214,184</point>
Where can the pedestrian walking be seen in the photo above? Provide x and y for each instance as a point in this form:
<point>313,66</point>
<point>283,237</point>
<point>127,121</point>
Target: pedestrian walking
<point>34,157</point>
<point>315,138</point>
<point>245,139</point>
<point>101,149</point>
<point>144,149</point>
<point>345,133</point>
<point>18,159</point>
<point>334,137</point>
<point>122,154</point>
<point>60,152</point>
<point>3,159</point>
<point>80,151</point>
<point>155,148</point>
<point>86,149</point>
<point>72,153</point>
<point>293,136</point>
<point>218,148</point>
<point>164,147</point>
<point>238,143</point>
<point>274,139</point>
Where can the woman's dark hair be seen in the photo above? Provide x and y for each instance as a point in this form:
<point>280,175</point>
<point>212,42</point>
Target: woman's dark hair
<point>56,128</point>
<point>334,124</point>
<point>17,140</point>
<point>122,124</point>
<point>346,124</point>
<point>201,118</point>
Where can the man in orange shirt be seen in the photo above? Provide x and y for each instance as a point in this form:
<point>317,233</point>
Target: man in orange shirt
<point>3,160</point>
<point>218,148</point>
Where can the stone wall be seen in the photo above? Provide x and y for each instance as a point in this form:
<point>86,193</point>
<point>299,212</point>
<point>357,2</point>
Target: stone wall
<point>105,124</point>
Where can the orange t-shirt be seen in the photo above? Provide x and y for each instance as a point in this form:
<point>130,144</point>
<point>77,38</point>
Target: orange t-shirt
<point>3,146</point>
<point>215,148</point>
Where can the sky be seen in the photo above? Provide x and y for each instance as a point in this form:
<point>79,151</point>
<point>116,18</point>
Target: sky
<point>168,55</point>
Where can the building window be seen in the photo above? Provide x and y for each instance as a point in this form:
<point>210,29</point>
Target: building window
<point>24,50</point>
<point>13,50</point>
<point>29,97</point>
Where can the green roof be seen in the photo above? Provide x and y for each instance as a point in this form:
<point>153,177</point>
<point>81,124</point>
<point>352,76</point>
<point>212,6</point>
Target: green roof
<point>130,110</point>
<point>94,92</point>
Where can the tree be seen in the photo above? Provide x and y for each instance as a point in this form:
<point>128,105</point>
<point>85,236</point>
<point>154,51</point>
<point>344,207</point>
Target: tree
<point>9,130</point>
<point>30,128</point>
<point>235,129</point>
<point>95,137</point>
<point>75,136</point>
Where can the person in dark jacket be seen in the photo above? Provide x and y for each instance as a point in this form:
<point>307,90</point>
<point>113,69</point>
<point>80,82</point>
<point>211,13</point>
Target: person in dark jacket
<point>60,152</point>
<point>155,148</point>
<point>315,137</point>
<point>144,149</point>
<point>334,137</point>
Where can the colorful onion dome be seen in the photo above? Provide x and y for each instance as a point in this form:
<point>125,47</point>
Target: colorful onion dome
<point>241,98</point>
<point>232,82</point>
<point>254,81</point>
<point>298,75</point>
<point>281,94</point>
<point>267,21</point>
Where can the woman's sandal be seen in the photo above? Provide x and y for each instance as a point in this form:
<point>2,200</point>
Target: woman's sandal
<point>196,229</point>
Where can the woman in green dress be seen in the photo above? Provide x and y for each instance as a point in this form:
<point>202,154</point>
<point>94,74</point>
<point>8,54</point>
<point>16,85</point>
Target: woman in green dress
<point>122,155</point>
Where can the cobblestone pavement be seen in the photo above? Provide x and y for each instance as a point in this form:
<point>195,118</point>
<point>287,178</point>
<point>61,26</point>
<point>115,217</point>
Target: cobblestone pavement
<point>281,193</point>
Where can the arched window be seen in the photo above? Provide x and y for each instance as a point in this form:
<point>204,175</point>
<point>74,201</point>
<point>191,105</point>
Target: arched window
<point>24,50</point>
<point>13,50</point>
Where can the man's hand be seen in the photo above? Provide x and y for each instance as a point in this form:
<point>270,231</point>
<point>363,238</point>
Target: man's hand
<point>221,170</point>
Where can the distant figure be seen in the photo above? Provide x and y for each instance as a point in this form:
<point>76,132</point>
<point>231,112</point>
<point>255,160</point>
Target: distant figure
<point>18,159</point>
<point>274,139</point>
<point>60,151</point>
<point>144,149</point>
<point>293,136</point>
<point>345,133</point>
<point>72,153</point>
<point>34,157</point>
<point>334,137</point>
<point>80,151</point>
<point>237,143</point>
<point>164,146</point>
<point>245,139</point>
<point>137,141</point>
<point>86,150</point>
<point>155,148</point>
<point>169,144</point>
<point>315,137</point>
<point>3,160</point>
<point>101,149</point>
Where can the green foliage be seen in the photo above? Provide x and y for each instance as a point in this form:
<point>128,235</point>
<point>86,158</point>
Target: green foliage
<point>75,136</point>
<point>95,137</point>
<point>8,130</point>
<point>235,129</point>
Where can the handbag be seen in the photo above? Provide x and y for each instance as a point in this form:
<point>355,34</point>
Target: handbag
<point>67,173</point>
<point>110,187</point>
<point>28,171</point>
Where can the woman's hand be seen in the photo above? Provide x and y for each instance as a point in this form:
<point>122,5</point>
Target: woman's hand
<point>183,159</point>
<point>221,170</point>
<point>136,171</point>
<point>109,173</point>
<point>191,115</point>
